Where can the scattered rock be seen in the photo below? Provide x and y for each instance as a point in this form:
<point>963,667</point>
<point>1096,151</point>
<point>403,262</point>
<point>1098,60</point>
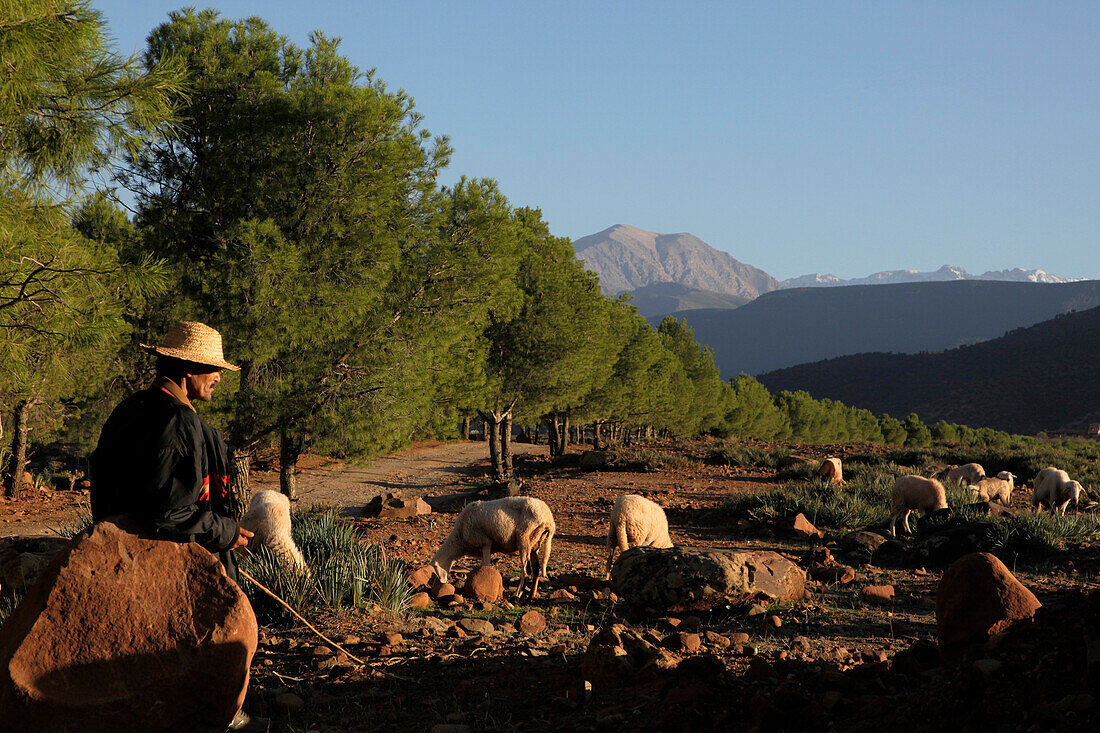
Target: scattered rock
<point>476,626</point>
<point>485,584</point>
<point>841,574</point>
<point>88,626</point>
<point>802,527</point>
<point>289,702</point>
<point>395,505</point>
<point>715,639</point>
<point>756,609</point>
<point>977,597</point>
<point>420,601</point>
<point>739,638</point>
<point>561,594</point>
<point>760,670</point>
<point>861,540</point>
<point>22,559</point>
<point>443,590</point>
<point>880,594</point>
<point>422,577</point>
<point>801,645</point>
<point>675,578</point>
<point>773,621</point>
<point>682,641</point>
<point>531,622</point>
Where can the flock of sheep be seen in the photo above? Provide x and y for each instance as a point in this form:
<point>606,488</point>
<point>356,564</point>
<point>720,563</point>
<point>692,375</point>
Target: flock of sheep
<point>525,525</point>
<point>1053,487</point>
<point>522,524</point>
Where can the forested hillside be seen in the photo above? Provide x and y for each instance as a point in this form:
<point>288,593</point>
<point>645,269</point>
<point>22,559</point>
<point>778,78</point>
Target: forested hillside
<point>789,327</point>
<point>1046,377</point>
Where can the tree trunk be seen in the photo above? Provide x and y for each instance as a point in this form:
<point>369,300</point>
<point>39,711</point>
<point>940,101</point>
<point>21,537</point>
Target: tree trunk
<point>492,429</point>
<point>466,428</point>
<point>506,445</point>
<point>564,435</point>
<point>240,493</point>
<point>597,439</point>
<point>289,450</point>
<point>552,436</point>
<point>17,463</point>
<point>484,430</point>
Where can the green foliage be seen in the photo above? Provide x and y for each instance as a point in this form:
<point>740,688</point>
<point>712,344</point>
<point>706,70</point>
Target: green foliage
<point>729,452</point>
<point>344,574</point>
<point>855,505</point>
<point>627,458</point>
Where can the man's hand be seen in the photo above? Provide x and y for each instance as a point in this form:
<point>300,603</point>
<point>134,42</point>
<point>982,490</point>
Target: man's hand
<point>242,538</point>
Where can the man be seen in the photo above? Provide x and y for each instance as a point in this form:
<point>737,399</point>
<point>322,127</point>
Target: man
<point>163,466</point>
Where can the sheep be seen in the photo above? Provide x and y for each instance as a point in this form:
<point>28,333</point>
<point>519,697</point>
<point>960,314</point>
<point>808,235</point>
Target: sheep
<point>1054,487</point>
<point>635,522</point>
<point>971,473</point>
<point>831,470</point>
<point>914,492</point>
<point>268,516</point>
<point>995,489</point>
<point>519,524</point>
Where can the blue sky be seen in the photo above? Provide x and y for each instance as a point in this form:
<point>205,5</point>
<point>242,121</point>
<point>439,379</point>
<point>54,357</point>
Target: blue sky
<point>799,137</point>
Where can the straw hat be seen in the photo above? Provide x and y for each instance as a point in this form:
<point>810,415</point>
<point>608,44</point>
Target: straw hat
<point>195,342</point>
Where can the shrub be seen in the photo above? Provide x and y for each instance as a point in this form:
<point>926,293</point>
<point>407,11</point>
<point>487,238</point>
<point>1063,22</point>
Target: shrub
<point>625,458</point>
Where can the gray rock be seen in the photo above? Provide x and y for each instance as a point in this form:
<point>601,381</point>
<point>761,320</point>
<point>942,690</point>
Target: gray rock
<point>476,626</point>
<point>662,580</point>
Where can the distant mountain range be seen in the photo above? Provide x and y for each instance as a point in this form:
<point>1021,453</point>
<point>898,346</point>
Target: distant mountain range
<point>659,299</point>
<point>1045,377</point>
<point>944,274</point>
<point>787,327</point>
<point>628,258</point>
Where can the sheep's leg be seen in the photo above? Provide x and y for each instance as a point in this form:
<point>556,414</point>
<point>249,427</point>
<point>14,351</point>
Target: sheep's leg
<point>905,522</point>
<point>543,550</point>
<point>610,560</point>
<point>524,550</point>
<point>487,555</point>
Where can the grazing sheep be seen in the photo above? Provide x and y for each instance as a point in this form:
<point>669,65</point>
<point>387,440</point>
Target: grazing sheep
<point>1054,488</point>
<point>269,517</point>
<point>914,492</point>
<point>518,524</point>
<point>831,469</point>
<point>970,473</point>
<point>995,489</point>
<point>635,522</point>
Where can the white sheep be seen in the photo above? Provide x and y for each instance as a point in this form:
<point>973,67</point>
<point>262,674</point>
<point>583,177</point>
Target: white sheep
<point>635,522</point>
<point>268,516</point>
<point>970,473</point>
<point>997,488</point>
<point>831,470</point>
<point>914,492</point>
<point>519,524</point>
<point>1054,488</point>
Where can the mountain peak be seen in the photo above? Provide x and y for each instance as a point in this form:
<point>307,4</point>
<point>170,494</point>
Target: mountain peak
<point>945,273</point>
<point>628,257</point>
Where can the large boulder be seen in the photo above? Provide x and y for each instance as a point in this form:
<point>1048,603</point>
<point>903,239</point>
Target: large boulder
<point>484,584</point>
<point>675,579</point>
<point>618,656</point>
<point>395,505</point>
<point>978,597</point>
<point>123,632</point>
<point>22,560</point>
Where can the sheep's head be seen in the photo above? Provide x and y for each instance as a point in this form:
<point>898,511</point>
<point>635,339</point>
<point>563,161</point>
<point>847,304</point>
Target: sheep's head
<point>1074,491</point>
<point>1007,476</point>
<point>441,572</point>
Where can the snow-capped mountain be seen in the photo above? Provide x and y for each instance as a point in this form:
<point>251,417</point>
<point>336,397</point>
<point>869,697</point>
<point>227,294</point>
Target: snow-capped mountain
<point>945,273</point>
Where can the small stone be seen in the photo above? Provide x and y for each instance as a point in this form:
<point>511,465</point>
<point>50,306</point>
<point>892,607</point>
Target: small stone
<point>749,650</point>
<point>881,594</point>
<point>873,656</point>
<point>562,595</point>
<point>391,638</point>
<point>774,621</point>
<point>422,576</point>
<point>558,649</point>
<point>320,651</point>
<point>988,667</point>
<point>683,641</point>
<point>757,609</point>
<point>691,624</point>
<point>801,644</point>
<point>420,601</point>
<point>715,639</point>
<point>803,528</point>
<point>444,589</point>
<point>739,638</point>
<point>476,626</point>
<point>531,622</point>
<point>289,702</point>
<point>760,669</point>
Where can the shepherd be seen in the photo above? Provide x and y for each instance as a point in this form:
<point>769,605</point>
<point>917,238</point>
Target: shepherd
<point>163,467</point>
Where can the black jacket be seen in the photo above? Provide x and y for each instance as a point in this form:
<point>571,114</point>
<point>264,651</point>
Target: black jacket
<point>154,462</point>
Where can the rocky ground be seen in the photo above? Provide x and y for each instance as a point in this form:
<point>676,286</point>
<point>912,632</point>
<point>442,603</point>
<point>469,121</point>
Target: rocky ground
<point>858,653</point>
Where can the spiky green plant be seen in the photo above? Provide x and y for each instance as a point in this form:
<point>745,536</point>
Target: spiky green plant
<point>79,520</point>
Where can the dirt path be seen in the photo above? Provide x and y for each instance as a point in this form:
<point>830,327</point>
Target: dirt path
<point>428,467</point>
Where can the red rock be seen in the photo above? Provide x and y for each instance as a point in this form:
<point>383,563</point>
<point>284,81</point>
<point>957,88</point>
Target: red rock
<point>443,589</point>
<point>978,597</point>
<point>531,622</point>
<point>485,584</point>
<point>562,595</point>
<point>739,638</point>
<point>127,633</point>
<point>803,528</point>
<point>422,577</point>
<point>882,594</point>
<point>28,479</point>
<point>688,642</point>
<point>774,621</point>
<point>841,574</point>
<point>420,601</point>
<point>395,505</point>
